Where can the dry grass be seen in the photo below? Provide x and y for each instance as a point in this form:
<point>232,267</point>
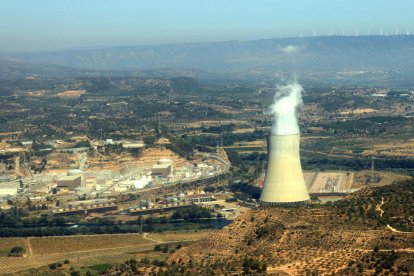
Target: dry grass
<point>180,236</point>
<point>71,93</point>
<point>386,178</point>
<point>244,130</point>
<point>257,143</point>
<point>358,111</point>
<point>60,160</point>
<point>152,255</point>
<point>7,148</point>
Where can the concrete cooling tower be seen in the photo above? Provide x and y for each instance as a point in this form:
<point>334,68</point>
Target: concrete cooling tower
<point>284,183</point>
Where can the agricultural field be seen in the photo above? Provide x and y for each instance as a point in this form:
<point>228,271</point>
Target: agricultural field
<point>8,243</point>
<point>400,148</point>
<point>180,236</point>
<point>87,253</point>
<point>49,245</point>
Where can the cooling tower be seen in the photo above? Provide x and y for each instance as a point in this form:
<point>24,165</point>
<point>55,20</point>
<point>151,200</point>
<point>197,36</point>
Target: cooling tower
<point>284,183</point>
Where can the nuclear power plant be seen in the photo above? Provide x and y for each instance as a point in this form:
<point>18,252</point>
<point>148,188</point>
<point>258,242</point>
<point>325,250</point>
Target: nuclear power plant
<point>284,182</point>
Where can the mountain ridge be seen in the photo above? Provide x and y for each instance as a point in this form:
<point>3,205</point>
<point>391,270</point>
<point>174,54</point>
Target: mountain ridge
<point>383,60</point>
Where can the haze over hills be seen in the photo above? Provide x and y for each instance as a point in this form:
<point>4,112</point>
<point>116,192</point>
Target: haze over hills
<point>340,59</point>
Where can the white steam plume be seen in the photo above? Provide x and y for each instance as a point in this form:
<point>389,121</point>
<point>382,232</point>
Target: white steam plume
<point>287,99</point>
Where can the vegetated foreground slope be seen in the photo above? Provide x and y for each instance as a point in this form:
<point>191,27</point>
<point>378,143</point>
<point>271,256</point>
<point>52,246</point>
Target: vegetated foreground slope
<point>86,250</point>
<point>338,238</point>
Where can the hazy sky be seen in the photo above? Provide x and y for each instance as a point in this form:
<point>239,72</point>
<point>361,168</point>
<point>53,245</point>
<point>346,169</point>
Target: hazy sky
<point>27,25</point>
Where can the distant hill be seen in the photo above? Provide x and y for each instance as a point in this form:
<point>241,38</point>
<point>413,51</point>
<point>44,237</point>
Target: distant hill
<point>380,59</point>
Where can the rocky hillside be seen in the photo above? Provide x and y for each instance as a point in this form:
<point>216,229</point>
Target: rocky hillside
<point>297,241</point>
<point>313,240</point>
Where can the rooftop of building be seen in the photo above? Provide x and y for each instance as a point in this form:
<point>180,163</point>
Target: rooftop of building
<point>69,177</point>
<point>161,166</point>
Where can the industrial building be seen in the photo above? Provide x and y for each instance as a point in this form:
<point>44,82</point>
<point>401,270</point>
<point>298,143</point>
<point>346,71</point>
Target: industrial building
<point>133,145</point>
<point>199,198</point>
<point>157,209</point>
<point>162,168</point>
<point>86,210</point>
<point>69,183</point>
<point>77,172</point>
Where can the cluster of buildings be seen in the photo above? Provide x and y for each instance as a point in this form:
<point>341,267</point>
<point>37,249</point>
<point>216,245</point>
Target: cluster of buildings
<point>92,182</point>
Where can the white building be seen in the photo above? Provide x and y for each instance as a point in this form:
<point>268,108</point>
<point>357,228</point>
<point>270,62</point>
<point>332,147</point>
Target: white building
<point>9,188</point>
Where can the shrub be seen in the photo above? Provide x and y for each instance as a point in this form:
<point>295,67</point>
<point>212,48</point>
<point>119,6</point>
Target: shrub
<point>133,262</point>
<point>16,251</point>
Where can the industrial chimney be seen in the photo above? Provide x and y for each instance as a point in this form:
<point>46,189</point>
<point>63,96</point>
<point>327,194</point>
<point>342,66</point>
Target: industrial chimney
<point>284,183</point>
